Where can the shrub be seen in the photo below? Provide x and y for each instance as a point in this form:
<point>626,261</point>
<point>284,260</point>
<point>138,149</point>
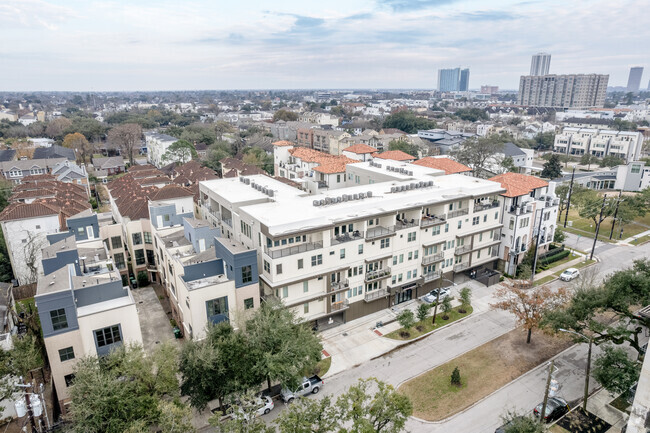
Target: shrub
<point>407,319</point>
<point>143,279</point>
<point>446,307</point>
<point>423,311</point>
<point>465,299</point>
<point>455,377</point>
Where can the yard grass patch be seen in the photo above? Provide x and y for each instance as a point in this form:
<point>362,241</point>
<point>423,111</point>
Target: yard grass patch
<point>584,226</point>
<point>557,429</point>
<point>483,370</point>
<point>641,240</point>
<point>427,326</point>
<point>546,279</point>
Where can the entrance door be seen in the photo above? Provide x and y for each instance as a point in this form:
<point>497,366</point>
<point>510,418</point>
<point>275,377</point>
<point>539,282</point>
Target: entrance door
<point>404,296</point>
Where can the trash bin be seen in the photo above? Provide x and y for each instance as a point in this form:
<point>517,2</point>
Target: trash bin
<point>177,332</point>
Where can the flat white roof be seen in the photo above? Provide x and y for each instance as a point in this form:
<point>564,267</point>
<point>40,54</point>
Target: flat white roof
<point>111,304</point>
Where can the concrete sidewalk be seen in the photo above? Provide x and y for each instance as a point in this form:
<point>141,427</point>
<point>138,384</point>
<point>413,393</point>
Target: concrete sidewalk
<point>579,259</point>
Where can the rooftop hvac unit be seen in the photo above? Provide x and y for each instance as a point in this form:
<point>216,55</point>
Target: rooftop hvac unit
<point>401,170</point>
<point>345,197</point>
<point>252,184</point>
<point>362,195</point>
<point>247,181</point>
<point>392,189</point>
<point>271,193</point>
<point>413,185</point>
<point>316,203</point>
<point>241,179</point>
<point>265,191</point>
<point>369,194</point>
<point>338,199</point>
<point>378,165</point>
<point>403,188</point>
<point>356,196</point>
<point>430,183</point>
<point>410,172</point>
<point>322,202</point>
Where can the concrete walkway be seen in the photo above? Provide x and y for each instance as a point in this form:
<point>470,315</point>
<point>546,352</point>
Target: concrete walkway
<point>635,237</point>
<point>154,323</point>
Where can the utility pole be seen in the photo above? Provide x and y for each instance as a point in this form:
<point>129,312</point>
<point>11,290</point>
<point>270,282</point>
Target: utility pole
<point>542,415</point>
<point>568,202</point>
<point>600,220</point>
<point>618,200</point>
<point>539,232</point>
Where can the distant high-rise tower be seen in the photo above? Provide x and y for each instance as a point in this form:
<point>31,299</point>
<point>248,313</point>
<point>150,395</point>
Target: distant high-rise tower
<point>453,80</point>
<point>540,64</point>
<point>463,86</point>
<point>634,79</point>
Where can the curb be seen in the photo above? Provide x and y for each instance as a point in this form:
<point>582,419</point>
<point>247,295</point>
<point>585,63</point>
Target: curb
<point>449,418</point>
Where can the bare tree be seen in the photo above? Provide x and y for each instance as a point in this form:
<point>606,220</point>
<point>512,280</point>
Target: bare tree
<point>33,247</point>
<point>128,136</point>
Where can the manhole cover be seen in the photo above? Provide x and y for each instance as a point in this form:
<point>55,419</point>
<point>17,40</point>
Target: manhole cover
<point>345,334</point>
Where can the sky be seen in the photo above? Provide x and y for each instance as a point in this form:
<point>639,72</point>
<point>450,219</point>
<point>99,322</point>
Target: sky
<point>97,45</point>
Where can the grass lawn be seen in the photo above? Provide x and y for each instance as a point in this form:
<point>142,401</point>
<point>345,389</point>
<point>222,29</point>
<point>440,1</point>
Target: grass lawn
<point>320,369</point>
<point>586,227</point>
<point>421,328</point>
<point>483,370</point>
<point>641,240</point>
<point>546,279</point>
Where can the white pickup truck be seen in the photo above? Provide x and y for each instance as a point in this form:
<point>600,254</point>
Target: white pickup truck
<point>309,386</point>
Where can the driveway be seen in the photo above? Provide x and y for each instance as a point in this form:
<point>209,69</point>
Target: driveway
<point>154,323</point>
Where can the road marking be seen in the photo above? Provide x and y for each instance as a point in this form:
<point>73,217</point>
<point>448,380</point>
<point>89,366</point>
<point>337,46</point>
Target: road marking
<point>378,333</point>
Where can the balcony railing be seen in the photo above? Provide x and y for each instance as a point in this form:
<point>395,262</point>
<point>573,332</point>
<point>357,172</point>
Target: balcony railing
<point>228,221</point>
<point>432,220</point>
<point>375,294</point>
<point>458,267</point>
<point>377,275</point>
<point>339,285</point>
<point>496,236</point>
<point>284,252</point>
<point>379,232</point>
<point>484,206</point>
<point>322,184</point>
<point>347,237</point>
<point>433,258</point>
<point>340,305</point>
<point>432,276</point>
<point>406,223</point>
<point>463,249</point>
<point>520,210</point>
<point>457,213</point>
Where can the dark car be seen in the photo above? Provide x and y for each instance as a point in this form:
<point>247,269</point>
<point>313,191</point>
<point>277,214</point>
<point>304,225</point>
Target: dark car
<point>555,409</point>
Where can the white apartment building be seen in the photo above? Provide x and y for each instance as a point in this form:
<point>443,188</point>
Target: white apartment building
<point>319,118</point>
<point>626,145</point>
<point>157,145</point>
<point>388,236</point>
<point>526,200</point>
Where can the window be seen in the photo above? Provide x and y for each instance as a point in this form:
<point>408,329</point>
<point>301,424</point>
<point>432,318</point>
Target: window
<point>249,303</point>
<point>460,224</point>
<point>360,248</point>
<point>267,266</point>
<point>66,354</point>
<point>119,260</point>
<point>511,225</point>
<point>216,307</point>
<point>59,320</point>
<point>485,218</point>
<point>385,243</point>
<point>80,230</point>
<point>317,260</point>
<point>246,229</point>
<point>108,336</point>
<point>342,253</point>
<point>139,257</point>
<point>305,308</point>
<point>401,258</point>
<point>285,292</point>
<point>524,222</point>
<point>300,263</point>
<point>476,220</point>
<point>69,378</point>
<point>410,255</point>
<point>137,238</point>
<point>116,242</point>
<point>246,274</point>
<point>411,237</point>
<point>166,217</point>
<point>305,286</point>
<point>147,237</point>
<point>278,268</point>
<point>151,259</point>
<point>496,215</point>
<point>447,228</point>
<point>435,230</point>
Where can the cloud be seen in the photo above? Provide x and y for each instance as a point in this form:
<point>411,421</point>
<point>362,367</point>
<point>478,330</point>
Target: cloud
<point>413,5</point>
<point>487,16</point>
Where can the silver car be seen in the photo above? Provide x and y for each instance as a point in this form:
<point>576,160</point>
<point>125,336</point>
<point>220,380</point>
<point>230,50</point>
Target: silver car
<point>569,274</point>
<point>432,296</point>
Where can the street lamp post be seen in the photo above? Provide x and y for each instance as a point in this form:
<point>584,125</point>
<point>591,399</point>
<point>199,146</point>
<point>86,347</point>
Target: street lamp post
<point>588,370</point>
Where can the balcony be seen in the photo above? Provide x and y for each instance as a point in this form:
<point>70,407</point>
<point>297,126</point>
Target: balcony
<point>377,275</point>
<point>379,232</point>
<point>496,237</point>
<point>284,252</point>
<point>227,221</point>
<point>322,184</point>
<point>459,267</point>
<point>406,224</point>
<point>485,206</point>
<point>347,237</point>
<point>432,220</point>
<point>375,294</point>
<point>433,258</point>
<point>463,249</point>
<point>457,213</point>
<point>520,210</point>
<point>335,286</point>
<point>432,276</point>
<point>340,305</point>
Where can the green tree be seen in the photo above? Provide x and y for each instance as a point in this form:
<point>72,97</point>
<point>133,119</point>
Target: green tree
<point>515,423</point>
<point>180,151</point>
<point>552,168</point>
<point>406,319</point>
<point>588,159</point>
<point>217,366</point>
<point>199,133</point>
<point>283,348</point>
<point>544,141</point>
<point>589,204</point>
<point>615,371</point>
<point>445,305</point>
<point>455,377</point>
<point>243,417</point>
<point>408,122</point>
<point>217,152</point>
<point>309,416</point>
<point>472,114</point>
<point>373,406</point>
<point>508,165</point>
<point>559,236</point>
<point>405,147</point>
<point>80,145</point>
<point>611,161</point>
<point>285,115</point>
<point>258,157</point>
<point>465,298</point>
<point>56,128</point>
<point>623,125</point>
<point>121,389</point>
<point>423,312</point>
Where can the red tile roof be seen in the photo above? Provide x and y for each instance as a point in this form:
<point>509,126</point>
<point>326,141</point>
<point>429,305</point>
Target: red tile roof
<point>283,143</point>
<point>396,155</point>
<point>517,184</point>
<point>326,163</point>
<point>16,211</point>
<point>360,148</point>
<point>447,164</point>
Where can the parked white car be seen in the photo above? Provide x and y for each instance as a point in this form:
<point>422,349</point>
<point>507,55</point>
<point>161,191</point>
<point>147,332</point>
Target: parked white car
<point>432,296</point>
<point>263,405</point>
<point>569,274</point>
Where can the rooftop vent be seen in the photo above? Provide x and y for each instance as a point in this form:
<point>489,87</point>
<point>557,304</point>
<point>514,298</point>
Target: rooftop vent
<point>369,193</point>
<point>247,181</point>
<point>356,196</point>
<point>271,193</point>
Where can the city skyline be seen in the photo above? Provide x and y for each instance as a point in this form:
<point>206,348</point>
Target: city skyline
<point>171,45</point>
